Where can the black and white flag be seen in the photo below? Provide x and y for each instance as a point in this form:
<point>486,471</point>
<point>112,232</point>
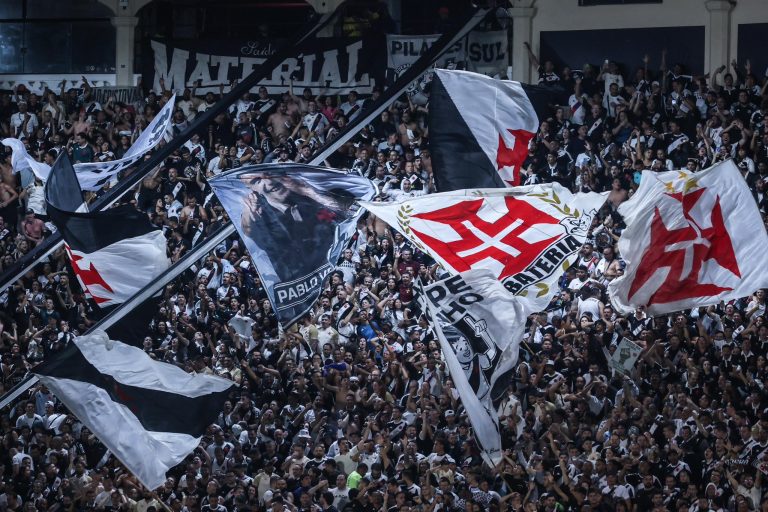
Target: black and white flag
<point>295,221</point>
<point>151,415</point>
<point>479,325</point>
<point>115,252</point>
<point>480,128</point>
<point>94,175</point>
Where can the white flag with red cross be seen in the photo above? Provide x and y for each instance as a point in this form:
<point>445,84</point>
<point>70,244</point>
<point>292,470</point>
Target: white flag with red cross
<point>692,239</point>
<point>526,236</point>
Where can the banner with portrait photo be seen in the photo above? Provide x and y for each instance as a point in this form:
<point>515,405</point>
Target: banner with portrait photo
<point>295,221</point>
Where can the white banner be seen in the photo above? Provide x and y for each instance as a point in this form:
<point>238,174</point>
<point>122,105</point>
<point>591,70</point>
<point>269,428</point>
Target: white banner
<point>480,326</point>
<point>625,356</point>
<point>692,240</point>
<point>94,175</point>
<point>487,52</point>
<point>527,236</point>
<point>403,51</point>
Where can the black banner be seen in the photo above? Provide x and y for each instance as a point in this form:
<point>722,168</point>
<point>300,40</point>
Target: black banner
<point>327,65</point>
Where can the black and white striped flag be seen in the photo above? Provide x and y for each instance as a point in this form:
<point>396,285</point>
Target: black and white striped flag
<point>151,415</point>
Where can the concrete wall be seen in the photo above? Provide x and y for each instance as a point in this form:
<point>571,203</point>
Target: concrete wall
<point>720,19</point>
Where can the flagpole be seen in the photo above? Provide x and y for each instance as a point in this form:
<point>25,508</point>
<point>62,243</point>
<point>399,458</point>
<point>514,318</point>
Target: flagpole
<point>398,88</point>
<point>402,83</point>
<point>145,293</point>
<point>54,241</point>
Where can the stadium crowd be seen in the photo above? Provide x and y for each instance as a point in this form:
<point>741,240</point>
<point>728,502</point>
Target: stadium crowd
<point>353,410</point>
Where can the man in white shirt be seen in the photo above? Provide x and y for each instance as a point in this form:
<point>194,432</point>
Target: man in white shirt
<point>352,106</point>
<point>315,121</point>
<point>23,123</point>
<point>405,192</point>
<point>30,417</point>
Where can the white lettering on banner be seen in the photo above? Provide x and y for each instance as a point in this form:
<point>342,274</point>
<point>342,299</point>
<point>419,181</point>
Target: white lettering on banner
<point>202,70</point>
<point>487,52</point>
<point>483,52</point>
<point>174,74</point>
<point>252,48</point>
<point>294,292</point>
<point>224,64</point>
<point>411,48</point>
<point>330,70</point>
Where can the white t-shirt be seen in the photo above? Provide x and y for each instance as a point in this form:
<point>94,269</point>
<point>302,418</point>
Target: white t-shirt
<point>610,78</point>
<point>17,120</point>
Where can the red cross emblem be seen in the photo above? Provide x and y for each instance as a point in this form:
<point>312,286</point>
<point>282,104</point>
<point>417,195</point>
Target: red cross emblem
<point>509,160</point>
<point>683,251</point>
<point>502,234</point>
<point>89,276</point>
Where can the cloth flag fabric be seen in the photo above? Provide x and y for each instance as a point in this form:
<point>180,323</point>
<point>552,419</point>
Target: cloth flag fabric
<point>526,236</point>
<point>692,239</point>
<point>151,415</point>
<point>479,325</point>
<point>295,221</point>
<point>480,128</point>
<point>114,253</point>
<point>21,160</point>
<point>94,175</point>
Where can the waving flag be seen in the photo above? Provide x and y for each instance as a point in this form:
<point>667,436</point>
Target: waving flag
<point>113,253</point>
<point>526,236</point>
<point>692,239</point>
<point>21,159</point>
<point>94,175</point>
<point>295,221</point>
<point>151,415</point>
<point>479,325</point>
<point>480,128</point>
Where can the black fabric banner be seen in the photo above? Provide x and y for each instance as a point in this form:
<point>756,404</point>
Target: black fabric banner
<point>327,65</point>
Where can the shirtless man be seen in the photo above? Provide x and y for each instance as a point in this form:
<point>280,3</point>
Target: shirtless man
<point>8,202</point>
<point>408,130</point>
<point>32,228</point>
<point>280,121</point>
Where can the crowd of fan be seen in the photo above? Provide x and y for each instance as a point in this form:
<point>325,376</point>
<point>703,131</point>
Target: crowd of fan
<point>352,409</point>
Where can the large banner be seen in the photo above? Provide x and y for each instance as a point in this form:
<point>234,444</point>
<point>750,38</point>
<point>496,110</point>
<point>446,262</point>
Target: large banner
<point>479,326</point>
<point>692,240</point>
<point>295,221</point>
<point>527,236</point>
<point>484,52</point>
<point>327,65</point>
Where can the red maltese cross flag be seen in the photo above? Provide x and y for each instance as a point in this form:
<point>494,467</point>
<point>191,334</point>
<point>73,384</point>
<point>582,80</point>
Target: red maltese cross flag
<point>480,128</point>
<point>525,236</point>
<point>692,239</point>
